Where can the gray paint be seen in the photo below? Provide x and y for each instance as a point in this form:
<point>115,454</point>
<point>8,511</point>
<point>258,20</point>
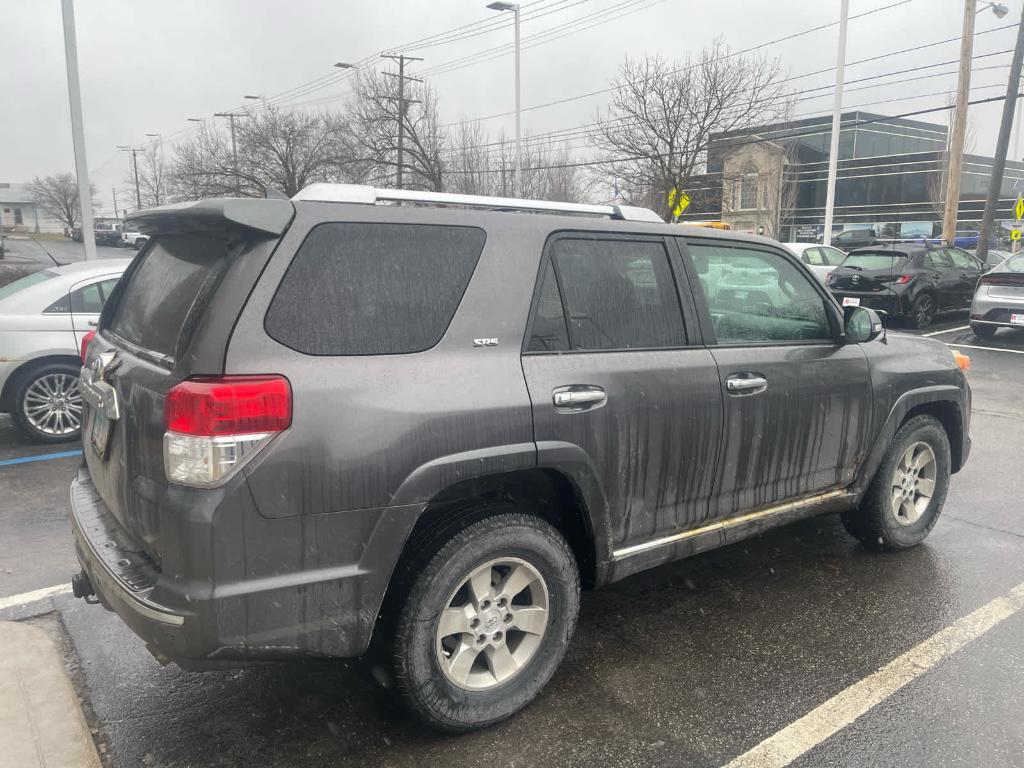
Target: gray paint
<point>293,554</point>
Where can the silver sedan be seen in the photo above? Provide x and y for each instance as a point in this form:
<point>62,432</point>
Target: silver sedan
<point>999,298</point>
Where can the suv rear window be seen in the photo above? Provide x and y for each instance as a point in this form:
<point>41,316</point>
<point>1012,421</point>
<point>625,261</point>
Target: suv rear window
<point>373,289</point>
<point>874,261</point>
<point>175,274</point>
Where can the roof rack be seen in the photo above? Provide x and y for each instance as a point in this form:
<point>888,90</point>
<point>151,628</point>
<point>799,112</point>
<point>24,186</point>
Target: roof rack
<point>357,193</point>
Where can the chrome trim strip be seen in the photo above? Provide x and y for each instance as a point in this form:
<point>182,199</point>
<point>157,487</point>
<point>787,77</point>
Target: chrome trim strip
<point>729,522</point>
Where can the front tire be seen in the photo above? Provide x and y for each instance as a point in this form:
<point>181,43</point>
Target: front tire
<point>486,621</point>
<point>47,405</point>
<point>906,496</point>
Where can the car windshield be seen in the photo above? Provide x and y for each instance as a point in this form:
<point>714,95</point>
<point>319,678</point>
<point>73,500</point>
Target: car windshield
<point>874,261</point>
<point>26,282</point>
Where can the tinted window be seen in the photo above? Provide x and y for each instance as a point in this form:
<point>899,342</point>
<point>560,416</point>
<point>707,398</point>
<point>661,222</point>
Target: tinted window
<point>373,289</point>
<point>831,256</point>
<point>618,294</point>
<point>961,260</point>
<point>176,273</point>
<point>874,261</point>
<point>107,286</point>
<point>87,299</point>
<point>937,260</point>
<point>548,332</point>
<point>758,296</point>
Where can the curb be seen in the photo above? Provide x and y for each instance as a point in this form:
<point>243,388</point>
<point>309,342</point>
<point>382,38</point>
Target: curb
<point>41,720</point>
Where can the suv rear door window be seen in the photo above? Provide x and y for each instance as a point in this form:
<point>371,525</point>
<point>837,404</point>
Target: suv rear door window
<point>175,274</point>
<point>618,294</point>
<point>548,332</point>
<point>373,289</point>
<point>758,296</point>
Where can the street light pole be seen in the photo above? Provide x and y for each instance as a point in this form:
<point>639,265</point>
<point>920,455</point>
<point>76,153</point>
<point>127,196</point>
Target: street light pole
<point>77,128</point>
<point>995,183</point>
<point>501,5</point>
<point>837,119</point>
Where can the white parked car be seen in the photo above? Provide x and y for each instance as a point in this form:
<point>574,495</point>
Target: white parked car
<point>132,239</point>
<point>43,319</point>
<point>821,259</point>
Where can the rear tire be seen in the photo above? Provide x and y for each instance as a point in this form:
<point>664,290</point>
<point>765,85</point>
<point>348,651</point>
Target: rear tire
<point>47,406</point>
<point>922,312</point>
<point>983,331</point>
<point>507,587</point>
<point>905,498</point>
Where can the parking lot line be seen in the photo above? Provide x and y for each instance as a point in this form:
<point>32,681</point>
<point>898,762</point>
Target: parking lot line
<point>948,330</point>
<point>987,349</point>
<point>823,721</point>
<point>30,597</point>
<point>40,457</point>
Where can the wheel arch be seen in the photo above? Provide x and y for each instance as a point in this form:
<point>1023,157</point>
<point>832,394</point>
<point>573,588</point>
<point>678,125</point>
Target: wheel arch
<point>18,375</point>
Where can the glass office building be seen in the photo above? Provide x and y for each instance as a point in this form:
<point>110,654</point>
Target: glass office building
<point>890,176</point>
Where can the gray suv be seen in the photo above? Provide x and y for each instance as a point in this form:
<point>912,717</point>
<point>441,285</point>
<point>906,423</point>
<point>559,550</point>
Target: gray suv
<point>414,424</point>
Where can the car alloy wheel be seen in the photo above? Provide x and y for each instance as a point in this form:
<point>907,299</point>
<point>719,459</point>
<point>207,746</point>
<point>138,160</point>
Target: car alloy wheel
<point>492,624</point>
<point>53,405</point>
<point>924,309</point>
<point>913,483</point>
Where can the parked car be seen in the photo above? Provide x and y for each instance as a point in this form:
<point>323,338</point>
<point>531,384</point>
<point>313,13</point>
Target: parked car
<point>911,282</point>
<point>993,258</point>
<point>849,239</point>
<point>43,319</point>
<point>317,424</point>
<point>820,259</point>
<point>999,299</point>
<point>133,239</point>
<point>108,234</point>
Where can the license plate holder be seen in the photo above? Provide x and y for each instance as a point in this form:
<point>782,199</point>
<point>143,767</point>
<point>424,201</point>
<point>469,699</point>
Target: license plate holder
<point>851,301</point>
<point>1016,319</point>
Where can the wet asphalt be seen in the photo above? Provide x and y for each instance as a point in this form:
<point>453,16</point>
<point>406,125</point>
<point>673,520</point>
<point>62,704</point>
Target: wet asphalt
<point>688,664</point>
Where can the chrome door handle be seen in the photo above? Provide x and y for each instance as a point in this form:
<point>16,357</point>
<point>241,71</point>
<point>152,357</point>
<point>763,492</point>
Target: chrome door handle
<point>745,384</point>
<point>569,398</point>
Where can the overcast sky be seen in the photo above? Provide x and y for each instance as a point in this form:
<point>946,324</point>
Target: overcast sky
<point>148,65</point>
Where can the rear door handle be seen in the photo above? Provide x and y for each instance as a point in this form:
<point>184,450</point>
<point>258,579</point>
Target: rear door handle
<point>745,385</point>
<point>577,397</point>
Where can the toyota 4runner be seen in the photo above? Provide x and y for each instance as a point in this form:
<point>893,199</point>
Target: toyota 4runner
<point>418,422</point>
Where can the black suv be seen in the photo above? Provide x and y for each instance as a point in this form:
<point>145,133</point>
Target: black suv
<point>849,239</point>
<point>912,282</point>
<point>347,423</point>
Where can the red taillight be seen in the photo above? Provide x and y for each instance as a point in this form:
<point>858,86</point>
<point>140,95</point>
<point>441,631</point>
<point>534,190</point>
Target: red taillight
<point>229,405</point>
<point>904,279</point>
<point>1002,278</point>
<point>85,344</point>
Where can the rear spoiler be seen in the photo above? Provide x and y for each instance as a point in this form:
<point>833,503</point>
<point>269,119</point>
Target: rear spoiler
<point>258,215</point>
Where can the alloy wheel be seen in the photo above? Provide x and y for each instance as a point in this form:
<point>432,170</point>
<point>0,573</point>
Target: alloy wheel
<point>53,405</point>
<point>924,311</point>
<point>493,624</point>
<point>913,483</point>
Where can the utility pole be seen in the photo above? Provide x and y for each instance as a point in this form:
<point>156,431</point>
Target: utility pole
<point>995,184</point>
<point>135,169</point>
<point>837,119</point>
<point>113,191</point>
<point>234,150</point>
<point>955,155</point>
<point>402,101</point>
<point>77,128</point>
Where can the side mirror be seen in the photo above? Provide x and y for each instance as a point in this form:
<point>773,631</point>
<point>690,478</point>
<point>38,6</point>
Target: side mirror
<point>862,325</point>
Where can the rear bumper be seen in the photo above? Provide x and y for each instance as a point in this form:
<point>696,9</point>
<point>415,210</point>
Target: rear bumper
<point>996,310</point>
<point>235,587</point>
<point>887,301</point>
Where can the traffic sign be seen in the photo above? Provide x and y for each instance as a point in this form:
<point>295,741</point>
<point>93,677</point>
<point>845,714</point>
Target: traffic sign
<point>1019,209</point>
<point>678,201</point>
<point>1015,234</point>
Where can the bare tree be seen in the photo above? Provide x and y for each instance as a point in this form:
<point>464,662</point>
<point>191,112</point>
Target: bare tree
<point>58,196</point>
<point>373,135</point>
<point>470,169</point>
<point>152,179</point>
<point>656,132</point>
<point>202,166</point>
<point>936,181</point>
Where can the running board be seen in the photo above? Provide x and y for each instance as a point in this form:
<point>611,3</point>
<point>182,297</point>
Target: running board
<point>730,522</point>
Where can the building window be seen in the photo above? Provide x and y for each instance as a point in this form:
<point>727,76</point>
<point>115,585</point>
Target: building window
<point>17,217</point>
<point>748,188</point>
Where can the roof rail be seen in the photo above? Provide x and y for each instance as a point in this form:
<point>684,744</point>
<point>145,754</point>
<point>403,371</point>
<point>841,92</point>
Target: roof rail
<point>357,193</point>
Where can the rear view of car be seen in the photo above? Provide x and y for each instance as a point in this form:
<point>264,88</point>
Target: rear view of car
<point>999,299</point>
<point>874,279</point>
